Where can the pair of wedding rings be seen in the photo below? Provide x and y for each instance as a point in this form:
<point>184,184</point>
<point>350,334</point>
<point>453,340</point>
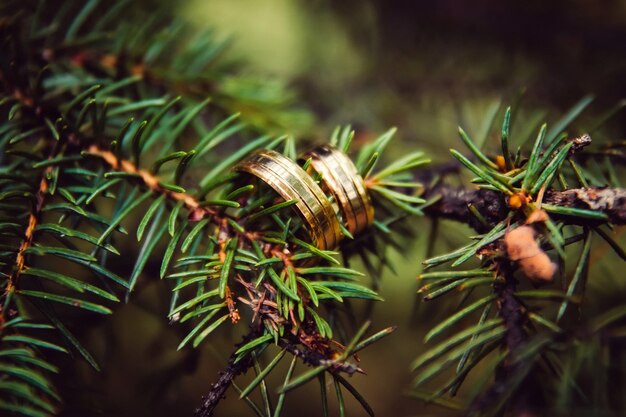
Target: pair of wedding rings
<point>339,178</point>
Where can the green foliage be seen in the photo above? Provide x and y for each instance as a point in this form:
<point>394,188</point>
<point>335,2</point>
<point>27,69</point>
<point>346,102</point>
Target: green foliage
<point>107,130</point>
<point>497,311</point>
<point>119,139</point>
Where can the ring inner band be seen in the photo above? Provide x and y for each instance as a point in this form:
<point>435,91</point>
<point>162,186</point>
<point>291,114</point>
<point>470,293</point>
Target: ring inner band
<point>292,183</point>
<point>343,181</point>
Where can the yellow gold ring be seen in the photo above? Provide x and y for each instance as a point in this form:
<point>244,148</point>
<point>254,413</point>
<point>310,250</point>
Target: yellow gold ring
<point>292,183</point>
<point>343,181</point>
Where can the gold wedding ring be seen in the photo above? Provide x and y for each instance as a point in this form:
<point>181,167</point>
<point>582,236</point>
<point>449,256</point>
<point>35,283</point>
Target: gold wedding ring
<point>343,181</point>
<point>291,182</point>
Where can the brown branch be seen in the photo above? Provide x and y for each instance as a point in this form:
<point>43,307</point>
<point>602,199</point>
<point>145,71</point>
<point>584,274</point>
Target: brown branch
<point>610,201</point>
<point>25,97</point>
<point>514,317</point>
<point>196,210</point>
<point>226,377</point>
<point>293,344</point>
<point>454,202</point>
<point>297,345</point>
<point>27,242</point>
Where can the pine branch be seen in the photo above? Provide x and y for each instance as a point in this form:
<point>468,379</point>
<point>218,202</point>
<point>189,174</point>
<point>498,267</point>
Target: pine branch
<point>226,377</point>
<point>27,241</point>
<point>514,316</point>
<point>493,206</point>
<point>250,245</point>
<point>298,345</point>
<point>453,204</point>
<point>150,181</point>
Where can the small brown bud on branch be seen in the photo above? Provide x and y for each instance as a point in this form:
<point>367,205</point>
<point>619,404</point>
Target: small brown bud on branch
<point>534,263</point>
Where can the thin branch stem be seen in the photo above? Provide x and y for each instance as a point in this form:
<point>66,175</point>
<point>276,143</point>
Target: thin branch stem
<point>454,204</point>
<point>226,377</point>
<point>152,182</point>
<point>514,316</point>
<point>27,241</point>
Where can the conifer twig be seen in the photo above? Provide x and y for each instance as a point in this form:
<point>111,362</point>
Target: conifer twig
<point>196,210</point>
<point>454,202</point>
<point>297,345</point>
<point>514,317</point>
<point>27,241</point>
<point>226,377</point>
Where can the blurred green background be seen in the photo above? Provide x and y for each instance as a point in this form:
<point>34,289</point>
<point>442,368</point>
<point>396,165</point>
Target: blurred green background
<point>425,67</point>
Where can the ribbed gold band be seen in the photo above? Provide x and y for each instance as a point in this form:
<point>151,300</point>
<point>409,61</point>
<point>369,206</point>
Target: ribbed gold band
<point>343,181</point>
<point>292,183</point>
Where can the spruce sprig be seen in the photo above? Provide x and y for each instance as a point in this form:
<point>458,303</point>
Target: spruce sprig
<point>107,133</point>
<point>497,310</point>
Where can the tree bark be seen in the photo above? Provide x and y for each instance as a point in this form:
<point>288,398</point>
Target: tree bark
<point>454,202</point>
